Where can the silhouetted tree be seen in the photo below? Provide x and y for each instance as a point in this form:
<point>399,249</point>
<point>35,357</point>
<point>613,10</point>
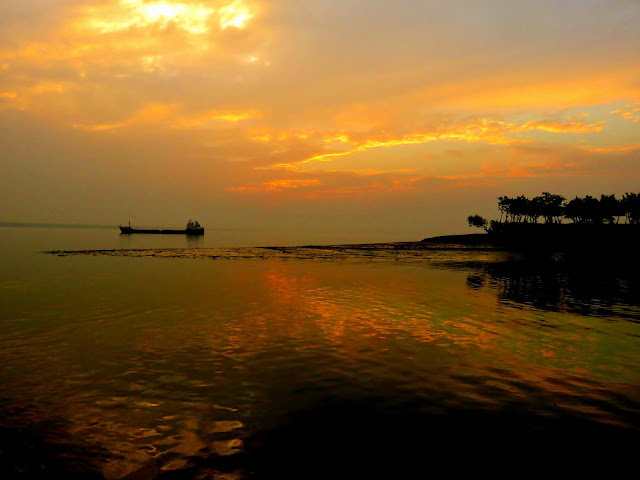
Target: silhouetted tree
<point>592,212</point>
<point>584,210</point>
<point>503,206</point>
<point>536,208</point>
<point>517,208</point>
<point>551,207</point>
<point>573,210</point>
<point>477,221</point>
<point>554,208</point>
<point>611,208</point>
<point>631,206</point>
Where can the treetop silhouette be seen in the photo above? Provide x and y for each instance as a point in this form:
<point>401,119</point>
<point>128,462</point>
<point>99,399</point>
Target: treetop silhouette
<point>554,209</point>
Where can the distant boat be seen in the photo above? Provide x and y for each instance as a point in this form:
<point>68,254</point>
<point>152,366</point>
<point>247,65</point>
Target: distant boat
<point>193,228</point>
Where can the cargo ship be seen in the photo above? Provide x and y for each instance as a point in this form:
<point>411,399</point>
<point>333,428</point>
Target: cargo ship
<point>193,228</point>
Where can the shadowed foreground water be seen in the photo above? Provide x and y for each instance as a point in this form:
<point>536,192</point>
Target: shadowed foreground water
<point>315,363</point>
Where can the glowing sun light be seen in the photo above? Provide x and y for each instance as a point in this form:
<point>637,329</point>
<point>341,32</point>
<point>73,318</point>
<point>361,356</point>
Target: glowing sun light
<point>193,18</point>
<point>137,13</point>
<point>155,11</point>
<point>234,15</point>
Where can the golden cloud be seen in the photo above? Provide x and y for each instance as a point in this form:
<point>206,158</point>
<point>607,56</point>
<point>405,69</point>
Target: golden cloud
<point>614,149</point>
<point>523,91</point>
<point>491,132</point>
<point>172,116</point>
<point>138,28</point>
<point>514,169</point>
<point>630,112</point>
<point>332,184</point>
<point>561,127</point>
<point>108,50</point>
<point>521,161</point>
<point>190,17</point>
<point>278,185</point>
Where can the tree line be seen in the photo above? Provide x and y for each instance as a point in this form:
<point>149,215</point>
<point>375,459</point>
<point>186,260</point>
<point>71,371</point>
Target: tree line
<point>555,209</point>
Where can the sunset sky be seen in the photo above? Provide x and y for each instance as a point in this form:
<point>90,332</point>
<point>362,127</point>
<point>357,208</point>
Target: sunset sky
<point>378,119</point>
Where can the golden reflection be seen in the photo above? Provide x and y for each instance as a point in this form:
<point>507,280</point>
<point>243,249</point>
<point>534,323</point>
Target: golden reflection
<point>224,333</point>
<point>374,314</point>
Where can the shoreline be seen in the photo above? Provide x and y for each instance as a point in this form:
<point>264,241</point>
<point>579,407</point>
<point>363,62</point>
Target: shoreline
<point>524,240</point>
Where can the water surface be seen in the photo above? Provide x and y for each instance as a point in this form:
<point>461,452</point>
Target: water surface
<point>165,360</point>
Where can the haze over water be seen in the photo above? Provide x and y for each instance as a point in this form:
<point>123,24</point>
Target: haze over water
<point>303,363</point>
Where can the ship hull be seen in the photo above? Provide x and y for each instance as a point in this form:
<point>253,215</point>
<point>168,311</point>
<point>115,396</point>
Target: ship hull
<point>129,230</point>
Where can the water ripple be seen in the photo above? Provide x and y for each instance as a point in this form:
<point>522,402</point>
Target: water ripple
<point>252,368</point>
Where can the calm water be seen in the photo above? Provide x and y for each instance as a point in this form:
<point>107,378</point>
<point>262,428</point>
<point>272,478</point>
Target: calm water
<point>307,363</point>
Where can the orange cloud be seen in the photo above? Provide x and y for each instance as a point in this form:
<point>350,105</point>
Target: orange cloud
<point>277,185</point>
<point>172,116</point>
<point>190,17</point>
<point>281,185</point>
<point>149,114</point>
<point>26,97</point>
<point>341,184</point>
<point>100,55</point>
<point>615,149</point>
<point>523,91</point>
<point>330,184</point>
<point>491,132</point>
<point>630,112</point>
<point>520,161</point>
<point>514,169</point>
<point>139,31</point>
<point>562,127</point>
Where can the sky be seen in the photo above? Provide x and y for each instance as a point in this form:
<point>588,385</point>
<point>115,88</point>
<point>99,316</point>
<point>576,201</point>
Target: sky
<point>372,120</point>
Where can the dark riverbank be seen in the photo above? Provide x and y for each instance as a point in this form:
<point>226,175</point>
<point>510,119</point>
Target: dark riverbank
<point>548,236</point>
<point>469,240</point>
<point>566,237</point>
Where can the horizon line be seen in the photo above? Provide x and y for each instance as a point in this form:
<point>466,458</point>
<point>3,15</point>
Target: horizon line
<point>53,225</point>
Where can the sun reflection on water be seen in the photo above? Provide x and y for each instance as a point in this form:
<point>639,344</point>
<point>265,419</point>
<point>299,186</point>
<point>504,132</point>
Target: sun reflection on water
<point>183,364</point>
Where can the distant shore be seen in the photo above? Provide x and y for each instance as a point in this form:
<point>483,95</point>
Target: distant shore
<point>564,237</point>
<point>53,225</point>
<point>468,240</point>
<point>453,242</point>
